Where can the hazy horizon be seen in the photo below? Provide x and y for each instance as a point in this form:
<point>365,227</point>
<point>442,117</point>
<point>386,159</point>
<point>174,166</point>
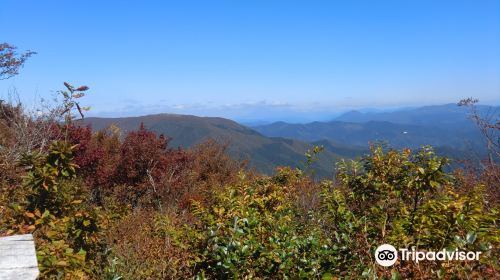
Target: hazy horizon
<point>259,114</point>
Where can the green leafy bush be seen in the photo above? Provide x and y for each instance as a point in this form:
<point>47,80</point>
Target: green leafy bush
<point>66,229</point>
<point>406,199</point>
<point>252,231</point>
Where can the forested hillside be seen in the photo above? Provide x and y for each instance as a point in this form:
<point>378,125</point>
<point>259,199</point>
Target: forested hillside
<point>263,153</point>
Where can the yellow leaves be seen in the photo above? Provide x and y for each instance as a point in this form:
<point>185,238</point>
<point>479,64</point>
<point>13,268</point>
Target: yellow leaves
<point>434,184</point>
<point>279,207</point>
<point>287,218</point>
<point>219,211</point>
<point>51,234</point>
<point>61,263</point>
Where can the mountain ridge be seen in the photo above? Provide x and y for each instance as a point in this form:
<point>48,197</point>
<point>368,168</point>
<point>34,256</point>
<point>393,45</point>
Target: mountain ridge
<point>446,114</point>
<point>447,127</point>
<point>264,153</point>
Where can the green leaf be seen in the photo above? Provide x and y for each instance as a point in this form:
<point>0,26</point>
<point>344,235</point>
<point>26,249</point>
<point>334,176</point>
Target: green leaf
<point>327,276</point>
<point>45,214</point>
<point>441,273</point>
<point>434,184</point>
<point>471,237</point>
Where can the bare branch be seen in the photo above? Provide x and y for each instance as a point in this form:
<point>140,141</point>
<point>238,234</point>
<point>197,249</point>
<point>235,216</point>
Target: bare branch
<point>488,125</point>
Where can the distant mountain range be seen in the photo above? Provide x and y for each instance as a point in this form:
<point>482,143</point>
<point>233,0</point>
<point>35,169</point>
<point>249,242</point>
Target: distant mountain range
<point>448,115</point>
<point>446,127</point>
<point>397,135</point>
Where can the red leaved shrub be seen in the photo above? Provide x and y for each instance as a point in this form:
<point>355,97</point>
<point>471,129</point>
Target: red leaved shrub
<point>140,169</point>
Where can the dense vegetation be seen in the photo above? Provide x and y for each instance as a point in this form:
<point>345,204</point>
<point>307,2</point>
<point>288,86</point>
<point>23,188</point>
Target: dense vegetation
<point>115,205</point>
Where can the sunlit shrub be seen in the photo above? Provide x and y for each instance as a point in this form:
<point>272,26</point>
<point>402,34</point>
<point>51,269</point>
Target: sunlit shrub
<point>144,246</point>
<point>252,230</point>
<point>66,230</point>
<point>406,199</point>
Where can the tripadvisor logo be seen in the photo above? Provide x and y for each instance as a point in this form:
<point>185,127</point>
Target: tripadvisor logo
<point>387,255</point>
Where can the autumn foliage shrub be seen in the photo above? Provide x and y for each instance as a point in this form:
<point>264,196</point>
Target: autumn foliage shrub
<point>139,169</point>
<point>253,230</point>
<point>211,169</point>
<point>52,206</point>
<point>143,246</point>
<point>147,167</point>
<point>407,199</point>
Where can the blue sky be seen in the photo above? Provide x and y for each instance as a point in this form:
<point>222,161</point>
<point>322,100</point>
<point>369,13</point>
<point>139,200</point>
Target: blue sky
<point>256,59</point>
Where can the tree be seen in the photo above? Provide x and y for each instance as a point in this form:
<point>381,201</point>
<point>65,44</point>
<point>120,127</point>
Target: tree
<point>488,125</point>
<point>11,61</point>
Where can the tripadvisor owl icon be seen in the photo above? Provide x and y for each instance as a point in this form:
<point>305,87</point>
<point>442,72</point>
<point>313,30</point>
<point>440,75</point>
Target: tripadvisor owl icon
<point>386,255</point>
